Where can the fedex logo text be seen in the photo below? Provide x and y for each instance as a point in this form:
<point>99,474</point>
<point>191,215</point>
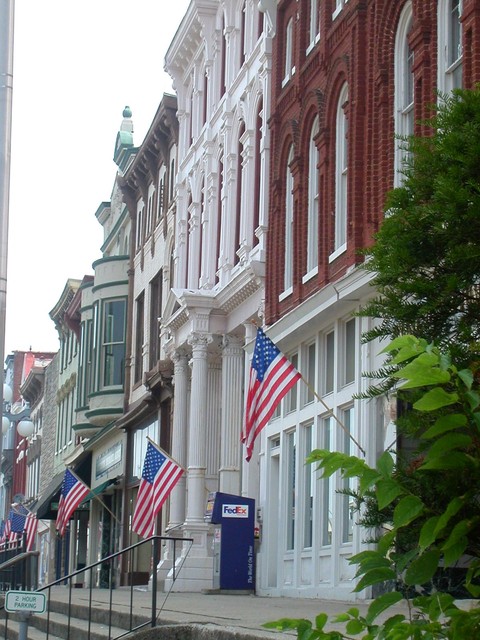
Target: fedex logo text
<point>235,511</point>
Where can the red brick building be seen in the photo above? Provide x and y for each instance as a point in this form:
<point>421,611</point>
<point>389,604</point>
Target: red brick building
<point>347,76</point>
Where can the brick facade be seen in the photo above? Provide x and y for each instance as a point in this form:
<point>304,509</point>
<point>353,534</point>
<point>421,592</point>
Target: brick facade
<point>356,47</point>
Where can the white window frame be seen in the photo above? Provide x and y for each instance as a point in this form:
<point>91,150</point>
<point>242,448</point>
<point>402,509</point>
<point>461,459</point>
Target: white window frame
<point>288,266</point>
<point>313,204</point>
<point>338,8</point>
<point>341,177</point>
<point>449,65</point>
<point>404,90</point>
<point>313,25</point>
<point>289,68</point>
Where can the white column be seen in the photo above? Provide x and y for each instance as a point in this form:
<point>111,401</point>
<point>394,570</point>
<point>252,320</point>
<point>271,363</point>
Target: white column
<point>232,414</point>
<point>179,436</point>
<point>196,562</point>
<point>197,437</point>
<point>179,454</point>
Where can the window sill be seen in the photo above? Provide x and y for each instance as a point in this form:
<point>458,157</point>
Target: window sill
<point>338,252</point>
<point>310,274</point>
<point>285,294</point>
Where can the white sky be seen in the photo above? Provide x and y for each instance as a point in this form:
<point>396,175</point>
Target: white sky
<point>77,63</point>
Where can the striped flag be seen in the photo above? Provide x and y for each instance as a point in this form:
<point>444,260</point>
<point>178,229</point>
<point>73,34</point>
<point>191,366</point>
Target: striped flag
<point>31,527</point>
<point>24,520</point>
<point>160,474</point>
<point>272,376</point>
<point>72,493</point>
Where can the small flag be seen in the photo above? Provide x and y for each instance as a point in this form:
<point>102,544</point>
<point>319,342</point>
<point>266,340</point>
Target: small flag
<point>72,493</point>
<point>24,520</point>
<point>17,517</point>
<point>272,376</point>
<point>160,474</point>
<point>31,527</point>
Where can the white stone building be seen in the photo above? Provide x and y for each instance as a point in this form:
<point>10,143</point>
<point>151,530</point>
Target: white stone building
<point>220,62</point>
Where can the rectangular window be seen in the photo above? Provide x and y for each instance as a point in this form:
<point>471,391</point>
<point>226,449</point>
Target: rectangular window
<point>308,491</point>
<point>114,343</point>
<point>139,337</point>
<point>290,515</point>
<point>329,361</point>
<point>289,69</point>
<point>350,348</point>
<point>139,241</point>
<point>348,483</point>
<point>291,397</point>
<point>327,486</point>
<point>311,372</point>
<point>140,446</point>
<point>313,25</point>
<point>155,314</point>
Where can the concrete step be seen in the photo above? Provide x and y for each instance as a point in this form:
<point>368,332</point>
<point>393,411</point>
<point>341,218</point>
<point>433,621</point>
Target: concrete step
<point>10,631</point>
<point>102,614</point>
<point>60,629</point>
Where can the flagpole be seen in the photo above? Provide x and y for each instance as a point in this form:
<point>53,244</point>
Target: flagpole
<point>95,496</point>
<point>105,507</point>
<point>333,415</point>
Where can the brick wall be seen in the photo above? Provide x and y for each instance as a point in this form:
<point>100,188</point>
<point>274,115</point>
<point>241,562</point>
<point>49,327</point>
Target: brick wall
<point>358,48</point>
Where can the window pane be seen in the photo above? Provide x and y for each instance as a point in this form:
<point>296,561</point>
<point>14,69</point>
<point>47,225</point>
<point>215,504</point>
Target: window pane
<point>329,361</point>
<point>350,351</point>
<point>348,483</point>
<point>114,343</point>
<point>291,397</point>
<point>311,370</point>
<point>308,489</point>
<point>327,487</point>
<point>290,491</point>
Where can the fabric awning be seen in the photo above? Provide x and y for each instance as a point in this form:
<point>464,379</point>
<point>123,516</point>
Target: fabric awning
<point>44,508</point>
<point>98,490</point>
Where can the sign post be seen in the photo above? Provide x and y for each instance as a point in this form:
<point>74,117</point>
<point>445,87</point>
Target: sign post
<point>24,603</point>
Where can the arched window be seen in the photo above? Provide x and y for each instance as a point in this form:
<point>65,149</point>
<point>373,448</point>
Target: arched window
<point>341,176</point>
<point>450,49</point>
<point>288,266</point>
<point>404,89</point>
<point>313,201</point>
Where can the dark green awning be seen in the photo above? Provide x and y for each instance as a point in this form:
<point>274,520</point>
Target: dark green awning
<point>98,490</point>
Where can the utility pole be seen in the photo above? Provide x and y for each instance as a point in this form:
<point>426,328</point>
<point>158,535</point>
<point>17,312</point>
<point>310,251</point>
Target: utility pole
<point>7,9</point>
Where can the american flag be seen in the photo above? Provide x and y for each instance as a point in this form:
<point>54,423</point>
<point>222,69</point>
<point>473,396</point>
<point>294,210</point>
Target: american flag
<point>160,474</point>
<point>10,535</point>
<point>272,375</point>
<point>24,520</point>
<point>73,492</point>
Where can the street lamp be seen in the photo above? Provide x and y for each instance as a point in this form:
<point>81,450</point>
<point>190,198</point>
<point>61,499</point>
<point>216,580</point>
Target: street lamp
<point>25,426</point>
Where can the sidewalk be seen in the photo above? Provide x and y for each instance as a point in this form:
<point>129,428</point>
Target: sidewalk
<point>238,614</point>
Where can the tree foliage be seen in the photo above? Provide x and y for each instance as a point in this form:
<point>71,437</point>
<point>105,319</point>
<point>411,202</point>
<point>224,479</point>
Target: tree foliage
<point>442,531</point>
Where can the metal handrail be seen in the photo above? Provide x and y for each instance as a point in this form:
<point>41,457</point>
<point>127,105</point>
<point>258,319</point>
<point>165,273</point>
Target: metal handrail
<point>152,621</point>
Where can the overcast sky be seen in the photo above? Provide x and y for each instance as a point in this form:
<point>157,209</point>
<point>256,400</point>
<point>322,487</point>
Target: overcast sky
<point>76,65</point>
